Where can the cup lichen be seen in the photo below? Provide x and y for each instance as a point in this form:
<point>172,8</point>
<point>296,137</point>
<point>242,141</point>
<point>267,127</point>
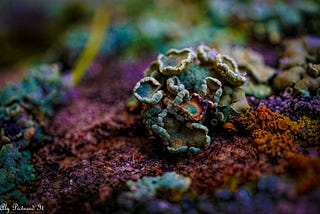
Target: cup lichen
<point>185,92</point>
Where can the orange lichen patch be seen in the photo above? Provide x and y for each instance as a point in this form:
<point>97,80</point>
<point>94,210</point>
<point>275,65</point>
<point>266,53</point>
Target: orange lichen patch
<point>274,144</point>
<point>266,119</point>
<point>195,108</point>
<point>283,124</point>
<point>229,126</point>
<point>306,169</point>
<point>273,133</point>
<point>310,129</point>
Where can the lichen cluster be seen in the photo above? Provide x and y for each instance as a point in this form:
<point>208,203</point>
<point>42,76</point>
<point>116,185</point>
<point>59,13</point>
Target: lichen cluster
<point>170,186</point>
<point>300,67</point>
<point>252,63</point>
<point>269,194</point>
<point>273,133</point>
<point>24,112</point>
<point>185,92</point>
<point>310,129</point>
<point>15,171</point>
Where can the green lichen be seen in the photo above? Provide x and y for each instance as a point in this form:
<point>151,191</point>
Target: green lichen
<point>174,61</point>
<point>147,90</point>
<point>25,109</point>
<point>15,170</point>
<point>183,93</point>
<point>227,70</point>
<point>252,63</point>
<point>170,185</point>
<point>39,92</point>
<point>258,90</point>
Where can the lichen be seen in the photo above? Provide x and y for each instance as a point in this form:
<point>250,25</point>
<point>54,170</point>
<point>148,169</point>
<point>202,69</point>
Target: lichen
<point>185,93</point>
<point>252,63</point>
<point>310,129</point>
<point>15,170</point>
<point>18,127</point>
<point>170,185</point>
<point>288,78</point>
<point>25,110</point>
<point>300,67</point>
<point>257,90</point>
<point>39,92</point>
<point>227,70</point>
<point>174,61</point>
<point>273,133</point>
<point>147,91</point>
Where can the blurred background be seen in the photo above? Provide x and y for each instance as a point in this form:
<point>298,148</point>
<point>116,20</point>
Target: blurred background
<point>58,30</point>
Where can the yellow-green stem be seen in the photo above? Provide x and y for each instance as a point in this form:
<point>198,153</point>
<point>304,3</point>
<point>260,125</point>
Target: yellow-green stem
<point>98,30</point>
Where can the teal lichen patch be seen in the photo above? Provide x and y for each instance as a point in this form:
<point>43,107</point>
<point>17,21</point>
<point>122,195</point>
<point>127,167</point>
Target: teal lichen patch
<point>147,90</point>
<point>25,109</point>
<point>206,54</point>
<point>174,61</point>
<point>170,186</point>
<point>174,85</point>
<point>15,169</point>
<point>40,91</point>
<point>152,69</point>
<point>181,104</point>
<point>211,88</point>
<point>179,136</point>
<point>227,69</point>
<point>258,73</point>
<point>257,90</point>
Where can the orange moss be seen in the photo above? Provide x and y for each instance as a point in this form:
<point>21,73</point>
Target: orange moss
<point>273,133</point>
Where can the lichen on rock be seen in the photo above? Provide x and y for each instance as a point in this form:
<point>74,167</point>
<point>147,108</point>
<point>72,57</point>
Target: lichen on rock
<point>25,110</point>
<point>170,185</point>
<point>258,73</point>
<point>300,67</point>
<point>274,134</point>
<point>184,93</point>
